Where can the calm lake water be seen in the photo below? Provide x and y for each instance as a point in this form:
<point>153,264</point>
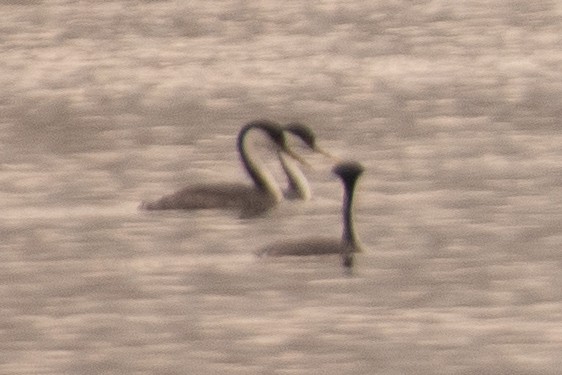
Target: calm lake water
<point>454,110</point>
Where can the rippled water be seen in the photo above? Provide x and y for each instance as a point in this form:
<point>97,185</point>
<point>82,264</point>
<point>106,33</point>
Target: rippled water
<point>454,109</point>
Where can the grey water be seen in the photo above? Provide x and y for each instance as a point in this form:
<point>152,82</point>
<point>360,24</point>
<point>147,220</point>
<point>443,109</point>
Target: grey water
<point>453,108</point>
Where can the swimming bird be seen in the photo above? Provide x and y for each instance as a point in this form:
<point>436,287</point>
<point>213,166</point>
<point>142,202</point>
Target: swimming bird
<point>347,245</point>
<point>298,186</point>
<point>249,200</point>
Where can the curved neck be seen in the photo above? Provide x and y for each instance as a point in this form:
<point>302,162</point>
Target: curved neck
<point>298,186</point>
<point>261,177</point>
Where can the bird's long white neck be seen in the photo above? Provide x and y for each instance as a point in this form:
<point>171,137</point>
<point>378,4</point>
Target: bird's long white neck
<point>262,177</point>
<point>298,184</point>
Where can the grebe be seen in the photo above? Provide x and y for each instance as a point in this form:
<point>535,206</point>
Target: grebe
<point>348,244</point>
<point>298,186</point>
<point>249,200</point>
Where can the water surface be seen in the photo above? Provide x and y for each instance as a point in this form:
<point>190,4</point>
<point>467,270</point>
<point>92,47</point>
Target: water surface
<point>454,109</point>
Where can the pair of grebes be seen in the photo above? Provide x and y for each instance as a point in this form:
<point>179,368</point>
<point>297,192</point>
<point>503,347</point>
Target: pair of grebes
<point>265,193</point>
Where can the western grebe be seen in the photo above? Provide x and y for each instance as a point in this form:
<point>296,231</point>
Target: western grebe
<point>298,186</point>
<point>348,172</point>
<point>249,200</point>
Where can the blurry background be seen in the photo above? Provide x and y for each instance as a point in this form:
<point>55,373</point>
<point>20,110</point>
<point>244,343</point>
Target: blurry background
<point>454,108</point>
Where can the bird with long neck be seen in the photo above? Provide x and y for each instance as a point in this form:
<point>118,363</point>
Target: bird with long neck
<point>249,200</point>
<point>298,186</point>
<point>348,172</point>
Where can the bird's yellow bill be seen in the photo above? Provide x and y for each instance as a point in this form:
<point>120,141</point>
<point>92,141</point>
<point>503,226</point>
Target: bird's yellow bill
<point>297,157</point>
<point>326,154</point>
